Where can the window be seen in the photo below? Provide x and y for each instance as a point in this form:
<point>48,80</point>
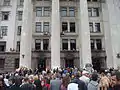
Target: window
<point>97,27</point>
<point>91,27</point>
<point>94,0</point>
<point>38,11</point>
<point>71,11</point>
<point>92,44</point>
<point>65,44</point>
<point>38,27</point>
<point>46,11</point>
<point>2,46</point>
<point>96,44</point>
<point>4,30</point>
<point>6,2</point>
<point>72,44</point>
<point>2,62</point>
<point>19,30</point>
<point>89,12</point>
<point>99,44</point>
<point>37,44</point>
<point>64,26</point>
<point>20,13</point>
<point>16,63</point>
<point>21,2</point>
<point>72,26</point>
<point>18,46</point>
<point>45,44</point>
<point>95,12</point>
<point>46,27</point>
<point>5,15</point>
<point>63,11</point>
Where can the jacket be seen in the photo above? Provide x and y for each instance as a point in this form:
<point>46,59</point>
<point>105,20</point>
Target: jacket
<point>80,83</point>
<point>93,85</point>
<point>55,84</point>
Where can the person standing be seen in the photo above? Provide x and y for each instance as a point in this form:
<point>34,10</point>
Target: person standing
<point>26,85</point>
<point>77,84</point>
<point>93,84</point>
<point>55,84</point>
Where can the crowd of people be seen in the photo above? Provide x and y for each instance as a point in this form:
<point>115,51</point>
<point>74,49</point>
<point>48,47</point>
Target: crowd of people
<point>60,79</point>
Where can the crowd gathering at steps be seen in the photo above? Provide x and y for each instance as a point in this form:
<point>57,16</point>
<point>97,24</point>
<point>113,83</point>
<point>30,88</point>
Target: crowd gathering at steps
<point>60,79</point>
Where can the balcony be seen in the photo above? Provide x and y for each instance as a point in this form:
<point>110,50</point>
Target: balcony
<point>44,34</point>
<point>66,33</point>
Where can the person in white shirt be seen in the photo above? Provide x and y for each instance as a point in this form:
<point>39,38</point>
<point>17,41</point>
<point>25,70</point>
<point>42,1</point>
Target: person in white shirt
<point>85,77</point>
<point>72,86</point>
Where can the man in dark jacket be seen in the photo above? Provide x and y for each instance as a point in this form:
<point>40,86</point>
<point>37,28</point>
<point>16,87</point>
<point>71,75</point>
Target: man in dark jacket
<point>77,82</point>
<point>117,86</point>
<point>26,85</point>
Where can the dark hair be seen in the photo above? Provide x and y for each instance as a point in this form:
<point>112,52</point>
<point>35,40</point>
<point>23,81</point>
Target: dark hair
<point>118,75</point>
<point>65,81</point>
<point>94,77</point>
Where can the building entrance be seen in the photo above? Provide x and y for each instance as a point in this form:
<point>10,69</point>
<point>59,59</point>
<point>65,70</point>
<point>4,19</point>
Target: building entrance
<point>98,64</point>
<point>41,64</point>
<point>69,63</point>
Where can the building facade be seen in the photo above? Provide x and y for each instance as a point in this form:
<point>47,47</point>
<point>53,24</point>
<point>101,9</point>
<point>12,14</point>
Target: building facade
<point>59,33</point>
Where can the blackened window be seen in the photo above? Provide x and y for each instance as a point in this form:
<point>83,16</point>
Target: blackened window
<point>2,46</point>
<point>99,44</point>
<point>18,46</point>
<point>19,30</point>
<point>92,44</point>
<point>64,26</point>
<point>72,44</point>
<point>5,15</point>
<point>45,44</point>
<point>65,44</point>
<point>97,27</point>
<point>94,0</point>
<point>72,26</point>
<point>2,62</point>
<point>95,12</point>
<point>37,44</point>
<point>16,63</point>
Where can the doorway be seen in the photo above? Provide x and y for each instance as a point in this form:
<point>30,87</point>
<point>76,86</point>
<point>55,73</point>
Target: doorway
<point>41,64</point>
<point>69,63</point>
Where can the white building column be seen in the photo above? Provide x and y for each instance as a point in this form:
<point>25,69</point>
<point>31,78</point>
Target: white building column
<point>55,35</point>
<point>111,14</point>
<point>12,32</point>
<point>26,35</point>
<point>84,34</point>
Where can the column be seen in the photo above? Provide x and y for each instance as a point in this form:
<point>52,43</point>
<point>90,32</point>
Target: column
<point>26,34</point>
<point>55,35</point>
<point>12,29</point>
<point>84,33</point>
<point>111,15</point>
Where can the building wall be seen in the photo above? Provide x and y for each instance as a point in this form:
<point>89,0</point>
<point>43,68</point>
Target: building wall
<point>108,18</point>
